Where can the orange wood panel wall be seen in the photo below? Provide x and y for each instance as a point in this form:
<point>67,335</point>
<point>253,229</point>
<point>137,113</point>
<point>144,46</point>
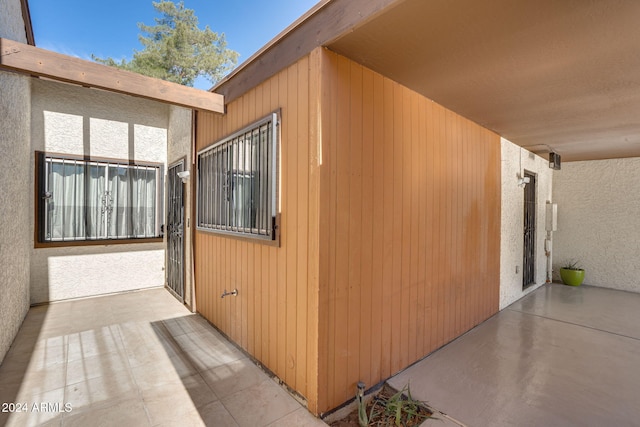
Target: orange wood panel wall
<point>390,230</point>
<point>409,226</point>
<point>275,316</point>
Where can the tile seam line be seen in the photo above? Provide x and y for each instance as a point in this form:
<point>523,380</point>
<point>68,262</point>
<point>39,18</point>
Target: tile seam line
<point>574,324</point>
<point>233,416</point>
<point>273,423</point>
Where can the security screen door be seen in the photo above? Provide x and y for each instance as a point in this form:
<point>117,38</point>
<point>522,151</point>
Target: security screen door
<point>175,231</point>
<point>529,261</point>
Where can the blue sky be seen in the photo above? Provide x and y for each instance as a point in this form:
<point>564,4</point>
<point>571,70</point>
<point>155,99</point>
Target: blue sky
<point>109,28</point>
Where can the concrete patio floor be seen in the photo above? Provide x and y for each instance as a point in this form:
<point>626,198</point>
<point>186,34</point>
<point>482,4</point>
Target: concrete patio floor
<point>135,359</point>
<point>561,356</point>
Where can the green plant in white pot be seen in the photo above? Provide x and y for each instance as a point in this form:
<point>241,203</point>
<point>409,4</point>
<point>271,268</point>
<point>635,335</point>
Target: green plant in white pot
<point>572,274</point>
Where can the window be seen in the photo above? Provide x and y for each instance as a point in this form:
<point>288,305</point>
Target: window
<point>82,200</point>
<point>237,182</point>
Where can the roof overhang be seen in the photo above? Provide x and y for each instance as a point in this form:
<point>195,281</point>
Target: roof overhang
<point>561,75</point>
<point>24,58</point>
<point>324,22</point>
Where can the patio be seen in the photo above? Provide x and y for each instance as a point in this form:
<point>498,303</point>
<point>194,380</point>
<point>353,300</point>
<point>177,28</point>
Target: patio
<point>561,356</point>
<point>138,358</point>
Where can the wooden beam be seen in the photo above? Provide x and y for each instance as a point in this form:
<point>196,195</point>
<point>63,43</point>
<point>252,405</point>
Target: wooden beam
<point>24,58</point>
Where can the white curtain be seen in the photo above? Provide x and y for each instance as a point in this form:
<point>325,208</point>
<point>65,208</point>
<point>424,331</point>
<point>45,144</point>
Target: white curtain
<point>98,201</point>
<point>95,202</point>
<point>66,209</point>
<point>134,197</point>
<point>119,226</point>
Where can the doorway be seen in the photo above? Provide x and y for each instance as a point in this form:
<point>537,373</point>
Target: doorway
<point>529,260</point>
<point>175,231</point>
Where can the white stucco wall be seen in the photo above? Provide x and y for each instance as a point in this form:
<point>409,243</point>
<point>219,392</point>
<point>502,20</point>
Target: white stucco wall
<point>11,22</point>
<point>599,221</point>
<point>14,176</point>
<point>179,148</point>
<point>73,120</point>
<point>516,160</point>
<point>75,272</point>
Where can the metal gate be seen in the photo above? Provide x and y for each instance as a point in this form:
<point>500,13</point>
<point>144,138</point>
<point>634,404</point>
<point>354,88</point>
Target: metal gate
<point>175,232</point>
<point>529,262</point>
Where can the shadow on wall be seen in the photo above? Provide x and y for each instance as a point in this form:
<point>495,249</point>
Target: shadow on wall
<point>82,271</point>
<point>94,137</point>
<point>75,121</point>
<point>68,119</point>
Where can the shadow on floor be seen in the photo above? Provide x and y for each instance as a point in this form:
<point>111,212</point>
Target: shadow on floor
<point>23,373</point>
<point>242,394</point>
<point>139,358</point>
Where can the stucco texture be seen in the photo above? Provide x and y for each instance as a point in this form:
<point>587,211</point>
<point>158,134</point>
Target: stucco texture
<point>14,206</point>
<point>69,119</point>
<point>179,148</point>
<point>599,221</point>
<point>11,22</point>
<point>75,272</point>
<point>14,176</point>
<point>516,160</point>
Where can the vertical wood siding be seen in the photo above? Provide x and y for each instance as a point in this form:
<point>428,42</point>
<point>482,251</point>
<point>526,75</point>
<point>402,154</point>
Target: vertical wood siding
<point>390,231</point>
<point>275,315</point>
<point>409,227</point>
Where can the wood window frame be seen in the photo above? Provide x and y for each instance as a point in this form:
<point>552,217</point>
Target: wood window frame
<point>38,201</point>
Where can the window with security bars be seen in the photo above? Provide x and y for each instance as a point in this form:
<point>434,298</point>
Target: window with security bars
<point>237,182</point>
<point>81,200</point>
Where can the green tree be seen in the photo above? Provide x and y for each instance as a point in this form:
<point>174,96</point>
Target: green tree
<point>175,49</point>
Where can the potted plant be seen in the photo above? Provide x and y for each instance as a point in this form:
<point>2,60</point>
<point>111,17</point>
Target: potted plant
<point>572,274</point>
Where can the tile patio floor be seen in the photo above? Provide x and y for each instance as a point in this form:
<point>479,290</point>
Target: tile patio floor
<point>561,356</point>
<point>136,359</point>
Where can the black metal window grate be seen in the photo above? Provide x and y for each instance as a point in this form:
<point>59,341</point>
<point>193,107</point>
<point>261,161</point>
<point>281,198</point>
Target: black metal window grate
<point>94,200</point>
<point>237,182</point>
